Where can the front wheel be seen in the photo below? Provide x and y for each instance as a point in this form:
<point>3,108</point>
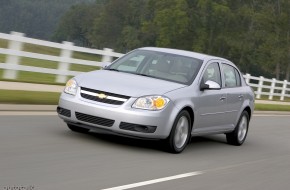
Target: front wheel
<point>180,133</point>
<point>238,136</point>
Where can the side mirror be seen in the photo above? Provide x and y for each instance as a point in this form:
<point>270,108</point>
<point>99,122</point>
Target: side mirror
<point>105,64</point>
<point>210,85</point>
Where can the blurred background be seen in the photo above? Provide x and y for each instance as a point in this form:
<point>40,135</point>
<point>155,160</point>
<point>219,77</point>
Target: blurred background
<point>43,43</point>
<point>254,34</point>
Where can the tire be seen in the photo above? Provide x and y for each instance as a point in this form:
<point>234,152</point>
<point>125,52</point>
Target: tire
<point>77,129</point>
<point>180,133</point>
<point>238,136</point>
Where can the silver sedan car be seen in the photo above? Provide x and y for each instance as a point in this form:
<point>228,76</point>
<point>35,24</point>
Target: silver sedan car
<point>159,93</point>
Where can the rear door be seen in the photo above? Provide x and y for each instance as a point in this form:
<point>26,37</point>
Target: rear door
<point>235,94</point>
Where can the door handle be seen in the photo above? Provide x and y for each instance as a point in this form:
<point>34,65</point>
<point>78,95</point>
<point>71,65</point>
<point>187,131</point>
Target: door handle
<point>241,96</point>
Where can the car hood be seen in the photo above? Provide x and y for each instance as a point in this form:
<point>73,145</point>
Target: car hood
<point>125,83</point>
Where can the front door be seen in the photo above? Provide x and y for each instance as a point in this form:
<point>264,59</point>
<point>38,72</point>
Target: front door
<point>212,104</point>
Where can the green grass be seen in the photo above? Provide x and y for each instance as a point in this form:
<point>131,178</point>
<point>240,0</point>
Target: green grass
<point>2,58</point>
<point>3,43</point>
<point>28,97</point>
<point>271,107</point>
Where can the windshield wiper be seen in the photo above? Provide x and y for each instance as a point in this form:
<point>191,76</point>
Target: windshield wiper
<point>142,74</point>
<point>110,69</point>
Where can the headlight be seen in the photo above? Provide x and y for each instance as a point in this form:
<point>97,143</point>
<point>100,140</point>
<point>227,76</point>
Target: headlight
<point>71,87</point>
<point>151,102</point>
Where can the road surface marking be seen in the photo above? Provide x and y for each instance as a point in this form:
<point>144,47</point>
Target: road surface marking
<point>129,186</point>
<point>139,184</point>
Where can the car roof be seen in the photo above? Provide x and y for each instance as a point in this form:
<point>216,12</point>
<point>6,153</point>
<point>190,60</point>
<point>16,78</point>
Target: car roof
<point>201,56</point>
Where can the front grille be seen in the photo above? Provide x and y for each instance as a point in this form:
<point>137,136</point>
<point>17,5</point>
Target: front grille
<point>91,94</point>
<point>94,119</point>
<point>137,127</point>
<point>64,112</point>
<point>107,101</point>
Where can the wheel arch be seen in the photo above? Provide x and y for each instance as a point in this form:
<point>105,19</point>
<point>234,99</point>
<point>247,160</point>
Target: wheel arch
<point>248,109</point>
<point>191,114</point>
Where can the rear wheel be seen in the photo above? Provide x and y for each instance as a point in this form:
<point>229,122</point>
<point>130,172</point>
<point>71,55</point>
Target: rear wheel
<point>77,129</point>
<point>180,133</point>
<point>238,136</point>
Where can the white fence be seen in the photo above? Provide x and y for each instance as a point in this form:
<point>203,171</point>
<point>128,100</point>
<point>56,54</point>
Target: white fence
<point>14,53</point>
<point>272,88</point>
<point>262,86</point>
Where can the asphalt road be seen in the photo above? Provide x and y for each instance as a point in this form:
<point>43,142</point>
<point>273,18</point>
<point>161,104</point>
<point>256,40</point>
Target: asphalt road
<point>39,152</point>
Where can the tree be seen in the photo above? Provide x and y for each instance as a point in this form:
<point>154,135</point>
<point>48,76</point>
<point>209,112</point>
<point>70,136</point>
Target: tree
<point>254,34</point>
<point>273,27</point>
<point>76,24</point>
<point>108,26</point>
<point>171,22</point>
<point>118,25</point>
<point>35,18</point>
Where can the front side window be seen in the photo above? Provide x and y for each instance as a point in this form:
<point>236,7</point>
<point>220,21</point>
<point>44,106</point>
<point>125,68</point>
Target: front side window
<point>231,76</point>
<point>212,73</point>
<point>171,67</point>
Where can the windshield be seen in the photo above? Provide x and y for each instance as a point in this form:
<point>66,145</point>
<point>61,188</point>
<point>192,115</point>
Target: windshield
<point>165,66</point>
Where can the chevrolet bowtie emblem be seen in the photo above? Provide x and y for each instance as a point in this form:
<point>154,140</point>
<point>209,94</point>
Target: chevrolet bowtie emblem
<point>102,96</point>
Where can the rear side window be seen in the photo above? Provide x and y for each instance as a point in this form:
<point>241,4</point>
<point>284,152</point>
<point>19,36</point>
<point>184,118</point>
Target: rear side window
<point>231,76</point>
<point>238,77</point>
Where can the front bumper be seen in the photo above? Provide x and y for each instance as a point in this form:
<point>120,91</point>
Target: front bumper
<point>93,111</point>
